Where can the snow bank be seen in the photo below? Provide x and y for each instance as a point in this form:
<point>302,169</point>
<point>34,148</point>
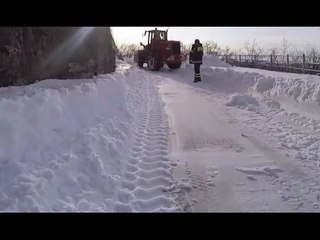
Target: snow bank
<point>288,87</point>
<point>47,149</point>
<point>289,101</point>
<point>300,90</point>
<point>214,61</point>
<point>243,101</point>
<point>220,79</point>
<point>65,145</point>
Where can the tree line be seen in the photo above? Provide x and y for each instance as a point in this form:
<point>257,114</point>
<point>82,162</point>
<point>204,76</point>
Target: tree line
<point>249,47</point>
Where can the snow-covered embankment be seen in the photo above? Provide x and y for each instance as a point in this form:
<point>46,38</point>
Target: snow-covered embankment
<point>84,145</point>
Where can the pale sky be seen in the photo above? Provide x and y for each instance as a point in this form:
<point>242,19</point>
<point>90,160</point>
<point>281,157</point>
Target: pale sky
<point>233,37</point>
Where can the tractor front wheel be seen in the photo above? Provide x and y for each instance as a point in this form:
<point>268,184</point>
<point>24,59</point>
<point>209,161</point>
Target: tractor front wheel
<point>140,63</point>
<point>153,64</point>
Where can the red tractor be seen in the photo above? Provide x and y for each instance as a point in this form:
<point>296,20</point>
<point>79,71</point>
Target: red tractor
<point>159,51</point>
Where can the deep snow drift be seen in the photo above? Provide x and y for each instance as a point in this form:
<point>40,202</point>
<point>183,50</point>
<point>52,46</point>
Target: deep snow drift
<point>84,145</point>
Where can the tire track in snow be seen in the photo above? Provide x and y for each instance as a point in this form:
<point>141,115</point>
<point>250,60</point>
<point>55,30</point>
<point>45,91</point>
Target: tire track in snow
<point>146,183</point>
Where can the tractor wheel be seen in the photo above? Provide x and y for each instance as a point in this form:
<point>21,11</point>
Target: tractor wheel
<point>153,64</point>
<point>174,65</point>
<point>140,63</point>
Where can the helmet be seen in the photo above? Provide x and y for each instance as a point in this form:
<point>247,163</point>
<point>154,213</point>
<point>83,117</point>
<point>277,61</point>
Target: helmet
<point>196,41</point>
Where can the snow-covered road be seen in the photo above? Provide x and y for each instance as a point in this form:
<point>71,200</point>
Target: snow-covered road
<point>143,141</point>
<point>240,149</point>
<point>226,164</point>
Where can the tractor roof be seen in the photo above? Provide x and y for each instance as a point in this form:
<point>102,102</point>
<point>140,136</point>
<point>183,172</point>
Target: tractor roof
<point>156,30</point>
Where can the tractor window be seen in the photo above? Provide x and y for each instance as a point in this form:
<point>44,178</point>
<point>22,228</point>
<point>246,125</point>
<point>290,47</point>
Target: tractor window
<point>162,36</point>
<point>157,36</point>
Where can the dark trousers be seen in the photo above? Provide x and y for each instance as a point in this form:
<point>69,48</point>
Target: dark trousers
<point>197,76</point>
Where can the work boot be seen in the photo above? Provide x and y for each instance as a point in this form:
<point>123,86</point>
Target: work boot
<point>197,79</point>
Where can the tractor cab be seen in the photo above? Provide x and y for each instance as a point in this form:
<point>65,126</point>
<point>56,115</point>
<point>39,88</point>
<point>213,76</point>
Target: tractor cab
<point>156,35</point>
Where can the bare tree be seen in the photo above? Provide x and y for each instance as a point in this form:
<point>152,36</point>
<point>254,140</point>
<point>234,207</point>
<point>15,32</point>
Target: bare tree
<point>284,47</point>
<point>226,51</point>
<point>211,47</point>
<point>253,48</point>
<point>296,52</point>
<point>127,50</point>
<point>239,51</point>
<point>185,49</point>
<point>274,51</point>
<point>311,53</point>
